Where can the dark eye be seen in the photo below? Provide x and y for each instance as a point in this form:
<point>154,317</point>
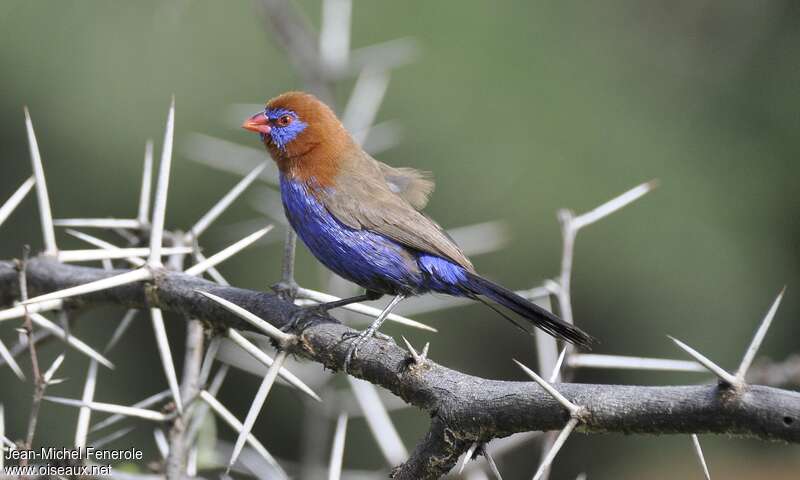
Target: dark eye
<point>284,120</point>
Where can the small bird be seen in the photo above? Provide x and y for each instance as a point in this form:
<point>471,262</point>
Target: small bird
<point>361,218</point>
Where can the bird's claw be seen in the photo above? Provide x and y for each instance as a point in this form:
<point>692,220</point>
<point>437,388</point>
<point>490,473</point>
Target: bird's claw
<point>360,338</point>
<point>286,290</point>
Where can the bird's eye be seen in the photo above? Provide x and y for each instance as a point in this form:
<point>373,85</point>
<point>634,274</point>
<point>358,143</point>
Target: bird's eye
<point>284,120</point>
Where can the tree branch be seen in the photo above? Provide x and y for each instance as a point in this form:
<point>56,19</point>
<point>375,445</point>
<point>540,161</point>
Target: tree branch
<point>464,408</point>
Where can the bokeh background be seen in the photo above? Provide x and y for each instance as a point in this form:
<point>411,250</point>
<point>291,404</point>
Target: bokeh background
<point>519,108</point>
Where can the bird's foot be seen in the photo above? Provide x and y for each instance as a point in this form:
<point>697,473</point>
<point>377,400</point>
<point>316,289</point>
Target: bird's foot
<point>360,338</point>
<point>286,290</point>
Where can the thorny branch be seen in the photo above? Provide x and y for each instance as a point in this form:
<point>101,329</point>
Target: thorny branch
<point>464,408</point>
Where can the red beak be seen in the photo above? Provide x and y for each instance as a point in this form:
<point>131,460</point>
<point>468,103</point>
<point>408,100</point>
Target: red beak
<point>257,123</point>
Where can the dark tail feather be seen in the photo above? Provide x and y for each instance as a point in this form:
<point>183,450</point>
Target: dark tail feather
<point>537,315</point>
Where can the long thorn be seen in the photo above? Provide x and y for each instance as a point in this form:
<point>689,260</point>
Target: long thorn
<point>613,205</point>
<point>108,223</point>
<point>265,360</point>
<point>90,255</point>
<point>71,340</point>
<point>15,199</point>
<point>85,414</point>
<point>235,424</point>
<point>162,188</point>
<point>151,400</point>
<point>698,450</point>
<point>50,373</point>
<point>166,356</point>
<point>255,407</point>
<point>378,421</point>
<point>559,442</point>
<point>147,183</point>
<point>337,450</point>
<point>591,360</point>
<point>9,359</point>
<point>46,215</point>
<point>711,366</point>
<point>758,337</point>
<point>136,262</point>
<point>111,408</point>
<point>132,276</point>
<point>268,328</point>
<point>217,210</point>
<point>571,407</point>
<point>121,329</point>
<point>467,457</point>
<point>227,252</point>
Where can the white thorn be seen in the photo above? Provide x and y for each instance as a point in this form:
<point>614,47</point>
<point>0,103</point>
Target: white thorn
<point>365,100</point>
<point>71,340</point>
<point>758,337</point>
<point>699,452</point>
<point>591,360</point>
<point>136,262</point>
<point>255,407</point>
<point>217,210</point>
<point>9,359</point>
<point>235,424</point>
<point>208,359</point>
<point>85,414</point>
<point>571,407</point>
<point>492,463</point>
<point>161,443</point>
<point>212,272</point>
<point>337,450</point>
<point>378,421</point>
<point>121,329</point>
<point>15,199</point>
<point>20,310</point>
<point>147,182</point>
<point>418,360</point>
<point>132,276</point>
<point>101,442</point>
<point>361,308</point>
<point>613,205</point>
<point>162,187</point>
<point>90,255</point>
<point>559,442</point>
<point>711,366</point>
<point>467,457</point>
<point>227,252</point>
<point>166,356</point>
<point>557,368</point>
<point>142,413</point>
<point>151,400</point>
<point>48,375</point>
<point>334,34</point>
<point>41,189</point>
<point>265,360</point>
<point>281,337</point>
<point>227,156</point>
<point>108,223</point>
<point>191,462</point>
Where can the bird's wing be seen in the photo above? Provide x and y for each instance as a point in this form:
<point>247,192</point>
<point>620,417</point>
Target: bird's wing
<point>362,199</point>
<point>415,186</point>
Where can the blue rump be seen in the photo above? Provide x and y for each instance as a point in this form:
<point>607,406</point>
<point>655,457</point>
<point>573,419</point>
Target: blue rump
<point>366,258</point>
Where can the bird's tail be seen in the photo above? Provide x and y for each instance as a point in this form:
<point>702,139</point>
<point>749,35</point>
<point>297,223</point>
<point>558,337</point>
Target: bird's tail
<point>538,316</point>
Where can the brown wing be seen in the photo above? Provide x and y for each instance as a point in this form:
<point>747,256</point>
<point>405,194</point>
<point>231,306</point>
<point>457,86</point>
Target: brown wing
<point>413,185</point>
<point>363,200</point>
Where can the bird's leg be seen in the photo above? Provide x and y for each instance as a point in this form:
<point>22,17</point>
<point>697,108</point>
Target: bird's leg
<point>370,331</point>
<point>299,319</point>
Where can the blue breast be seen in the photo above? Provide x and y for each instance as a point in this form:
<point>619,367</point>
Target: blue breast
<point>364,257</point>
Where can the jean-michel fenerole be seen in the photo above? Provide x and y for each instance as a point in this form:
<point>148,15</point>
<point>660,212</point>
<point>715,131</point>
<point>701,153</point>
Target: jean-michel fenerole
<point>81,453</point>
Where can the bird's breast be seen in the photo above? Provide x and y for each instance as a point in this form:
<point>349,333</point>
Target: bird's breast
<point>359,255</point>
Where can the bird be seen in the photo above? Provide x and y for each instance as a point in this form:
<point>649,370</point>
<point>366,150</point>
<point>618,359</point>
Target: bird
<point>362,219</point>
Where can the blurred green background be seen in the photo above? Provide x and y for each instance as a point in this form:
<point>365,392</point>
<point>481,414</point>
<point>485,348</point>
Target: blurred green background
<point>519,108</point>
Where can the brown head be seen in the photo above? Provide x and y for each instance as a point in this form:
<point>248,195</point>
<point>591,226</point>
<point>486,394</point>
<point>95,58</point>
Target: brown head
<point>303,136</point>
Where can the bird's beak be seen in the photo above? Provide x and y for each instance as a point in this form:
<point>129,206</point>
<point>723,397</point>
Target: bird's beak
<point>257,123</point>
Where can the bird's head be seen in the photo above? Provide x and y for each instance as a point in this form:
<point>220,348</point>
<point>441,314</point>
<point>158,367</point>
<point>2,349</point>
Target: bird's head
<point>302,134</point>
